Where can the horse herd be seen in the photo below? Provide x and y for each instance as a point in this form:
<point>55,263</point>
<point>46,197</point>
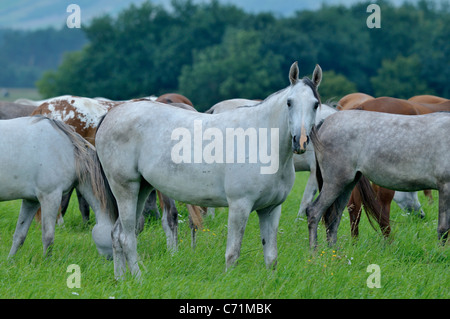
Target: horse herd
<point>116,154</point>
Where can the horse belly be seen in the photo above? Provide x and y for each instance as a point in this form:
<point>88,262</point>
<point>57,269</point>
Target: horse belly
<point>401,176</point>
<point>12,189</point>
<point>188,183</point>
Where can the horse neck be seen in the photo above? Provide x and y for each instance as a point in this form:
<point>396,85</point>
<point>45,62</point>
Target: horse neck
<point>273,113</point>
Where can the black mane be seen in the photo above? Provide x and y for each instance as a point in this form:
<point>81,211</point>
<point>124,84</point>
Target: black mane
<point>313,87</point>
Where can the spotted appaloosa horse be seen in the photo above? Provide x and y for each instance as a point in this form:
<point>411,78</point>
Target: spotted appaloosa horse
<point>84,114</point>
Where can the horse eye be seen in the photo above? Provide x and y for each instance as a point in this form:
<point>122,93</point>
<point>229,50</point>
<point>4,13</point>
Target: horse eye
<point>289,103</point>
<point>316,105</point>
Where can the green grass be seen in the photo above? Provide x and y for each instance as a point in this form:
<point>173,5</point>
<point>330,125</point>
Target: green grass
<point>412,263</point>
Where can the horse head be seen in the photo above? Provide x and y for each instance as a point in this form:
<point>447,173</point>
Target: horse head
<point>302,102</point>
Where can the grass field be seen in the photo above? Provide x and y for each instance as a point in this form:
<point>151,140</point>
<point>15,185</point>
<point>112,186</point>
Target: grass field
<point>20,93</point>
<point>412,264</point>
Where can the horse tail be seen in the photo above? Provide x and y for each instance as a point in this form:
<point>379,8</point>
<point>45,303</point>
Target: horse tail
<point>195,215</point>
<point>371,204</point>
<point>88,167</point>
<point>318,146</point>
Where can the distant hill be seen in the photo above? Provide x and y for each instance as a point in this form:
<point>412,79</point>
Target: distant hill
<point>28,14</point>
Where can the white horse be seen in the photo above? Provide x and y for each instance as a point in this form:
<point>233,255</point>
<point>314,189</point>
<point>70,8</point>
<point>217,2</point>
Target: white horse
<point>407,201</point>
<point>135,144</point>
<point>41,160</point>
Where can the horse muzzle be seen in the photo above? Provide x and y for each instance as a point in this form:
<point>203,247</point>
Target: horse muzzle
<point>299,144</point>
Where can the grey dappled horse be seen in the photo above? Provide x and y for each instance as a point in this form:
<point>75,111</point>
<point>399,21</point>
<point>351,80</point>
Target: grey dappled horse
<point>135,144</point>
<point>41,160</point>
<point>406,153</point>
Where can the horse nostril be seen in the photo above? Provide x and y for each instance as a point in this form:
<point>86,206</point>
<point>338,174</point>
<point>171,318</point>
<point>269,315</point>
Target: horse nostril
<point>295,139</point>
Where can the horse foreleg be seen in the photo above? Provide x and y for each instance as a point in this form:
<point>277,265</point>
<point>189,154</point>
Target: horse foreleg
<point>354,212</point>
<point>195,220</point>
<point>385,197</point>
<point>268,223</point>
<point>428,194</point>
<point>238,214</point>
<point>444,213</point>
<point>27,211</point>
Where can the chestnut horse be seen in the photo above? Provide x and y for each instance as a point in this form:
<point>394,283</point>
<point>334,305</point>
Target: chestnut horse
<point>384,195</point>
<point>170,98</point>
<point>427,99</point>
<point>352,100</point>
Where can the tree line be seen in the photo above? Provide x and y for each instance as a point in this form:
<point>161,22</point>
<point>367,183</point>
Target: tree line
<point>26,55</point>
<point>211,52</point>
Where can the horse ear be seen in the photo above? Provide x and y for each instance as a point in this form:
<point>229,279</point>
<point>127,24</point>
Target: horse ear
<point>293,73</point>
<point>317,75</point>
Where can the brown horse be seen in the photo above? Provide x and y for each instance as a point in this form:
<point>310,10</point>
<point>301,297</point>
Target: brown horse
<point>352,100</point>
<point>384,195</point>
<point>427,99</point>
<point>170,98</point>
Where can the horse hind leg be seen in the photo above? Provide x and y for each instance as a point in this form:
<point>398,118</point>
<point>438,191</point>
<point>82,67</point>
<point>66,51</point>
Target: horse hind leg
<point>169,221</point>
<point>444,213</point>
<point>27,211</point>
<point>124,231</point>
<point>50,204</point>
<point>333,215</point>
<point>315,211</point>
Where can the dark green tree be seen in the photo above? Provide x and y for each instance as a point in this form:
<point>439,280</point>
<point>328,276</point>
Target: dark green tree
<point>400,78</point>
<point>236,68</point>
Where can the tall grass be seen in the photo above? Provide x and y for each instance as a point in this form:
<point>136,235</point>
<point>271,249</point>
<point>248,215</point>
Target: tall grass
<point>412,263</point>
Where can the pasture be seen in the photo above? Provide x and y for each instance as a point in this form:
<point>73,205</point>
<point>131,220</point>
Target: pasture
<point>21,93</point>
<point>412,262</point>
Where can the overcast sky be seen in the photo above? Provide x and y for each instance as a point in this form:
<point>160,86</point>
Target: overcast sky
<point>26,14</point>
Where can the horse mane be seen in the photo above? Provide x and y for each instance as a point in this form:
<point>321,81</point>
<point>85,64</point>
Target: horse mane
<point>307,81</point>
<point>87,165</point>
